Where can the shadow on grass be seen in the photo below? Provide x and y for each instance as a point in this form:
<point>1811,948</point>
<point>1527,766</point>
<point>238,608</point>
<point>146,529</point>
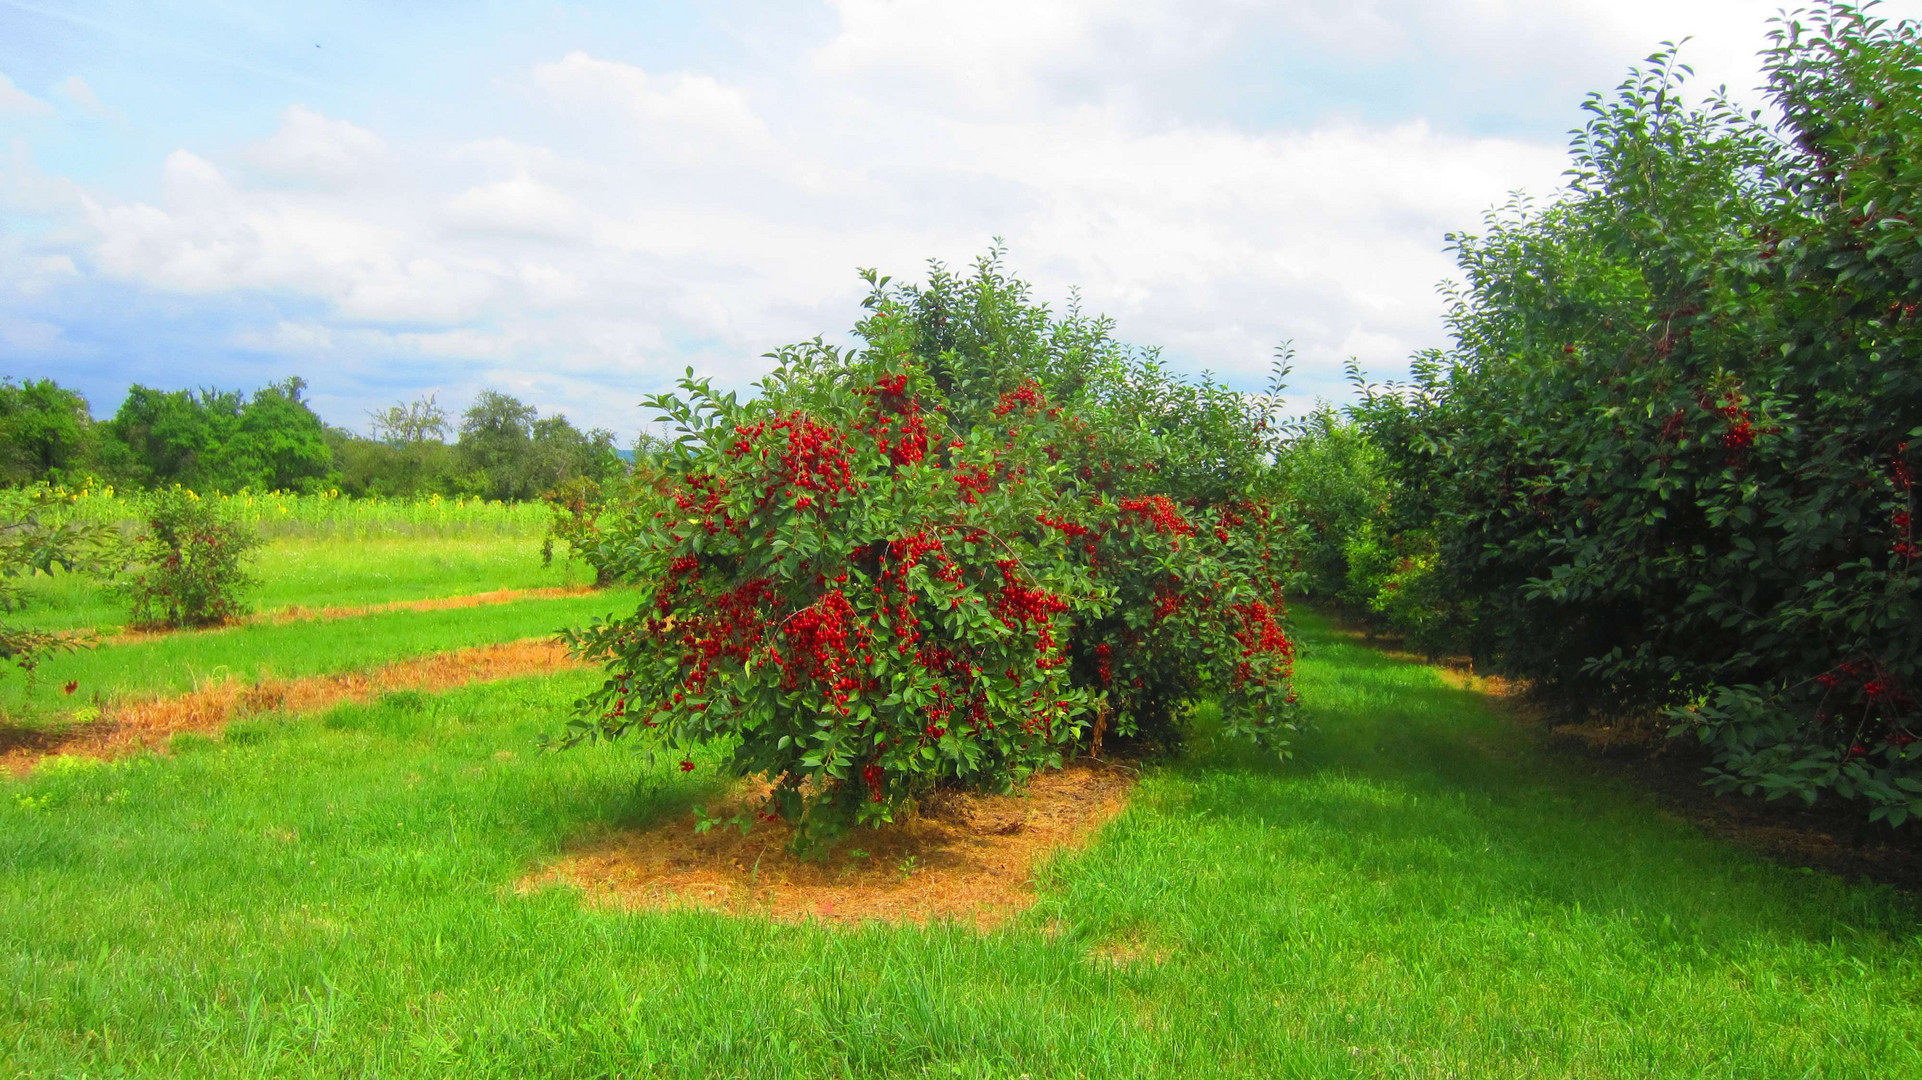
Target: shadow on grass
<point>1409,781</point>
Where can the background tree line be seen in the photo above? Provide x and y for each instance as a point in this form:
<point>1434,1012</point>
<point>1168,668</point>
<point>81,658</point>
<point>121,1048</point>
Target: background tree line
<point>271,440</point>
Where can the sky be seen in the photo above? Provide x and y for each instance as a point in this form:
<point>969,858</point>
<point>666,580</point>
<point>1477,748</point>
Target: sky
<point>574,202</point>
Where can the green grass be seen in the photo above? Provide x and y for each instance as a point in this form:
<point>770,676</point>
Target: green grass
<point>174,663</point>
<point>1422,893</point>
<point>314,573</point>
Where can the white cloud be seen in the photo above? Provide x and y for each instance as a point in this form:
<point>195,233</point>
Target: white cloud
<point>1008,58</point>
<point>26,189</point>
<point>682,117</point>
<point>521,205</point>
<point>422,289</point>
<point>31,337</point>
<point>286,338</point>
<point>212,236</point>
<point>54,266</point>
<point>38,275</point>
<point>1214,242</point>
<point>18,102</point>
<point>312,148</point>
<point>75,89</point>
<point>1219,243</point>
<point>463,344</point>
<point>549,286</point>
<point>603,225</point>
<point>987,54</point>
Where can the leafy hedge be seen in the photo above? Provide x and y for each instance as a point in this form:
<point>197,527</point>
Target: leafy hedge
<point>981,542</point>
<point>1670,460</point>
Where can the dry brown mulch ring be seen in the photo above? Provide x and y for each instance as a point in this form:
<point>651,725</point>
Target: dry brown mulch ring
<point>127,727</point>
<point>968,858</point>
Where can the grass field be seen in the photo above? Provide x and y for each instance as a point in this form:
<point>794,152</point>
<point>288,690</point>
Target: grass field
<point>309,572</point>
<point>175,663</point>
<point>1422,893</point>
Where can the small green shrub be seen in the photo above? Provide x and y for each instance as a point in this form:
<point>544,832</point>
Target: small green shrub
<point>190,563</point>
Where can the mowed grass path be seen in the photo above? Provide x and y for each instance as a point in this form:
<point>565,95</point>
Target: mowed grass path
<point>311,572</point>
<point>1420,894</point>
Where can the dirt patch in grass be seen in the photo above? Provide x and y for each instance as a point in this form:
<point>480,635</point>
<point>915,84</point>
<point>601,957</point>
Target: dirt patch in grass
<point>1130,951</point>
<point>130,726</point>
<point>965,858</point>
<point>296,613</point>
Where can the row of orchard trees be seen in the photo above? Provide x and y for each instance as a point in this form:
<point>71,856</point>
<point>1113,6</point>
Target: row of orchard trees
<point>1669,461</point>
<point>987,538</point>
<point>272,440</point>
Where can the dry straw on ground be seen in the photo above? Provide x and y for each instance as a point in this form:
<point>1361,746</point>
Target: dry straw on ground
<point>131,726</point>
<point>295,613</point>
<point>965,858</point>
